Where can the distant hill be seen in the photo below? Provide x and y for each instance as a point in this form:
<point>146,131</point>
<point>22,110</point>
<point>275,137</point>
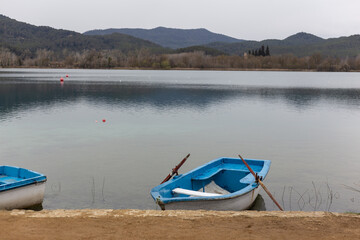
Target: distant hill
<point>170,37</point>
<point>303,38</point>
<point>300,44</point>
<point>25,39</point>
<point>21,37</point>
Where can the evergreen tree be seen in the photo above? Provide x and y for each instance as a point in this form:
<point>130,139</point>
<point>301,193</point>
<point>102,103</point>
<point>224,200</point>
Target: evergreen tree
<point>262,51</point>
<point>267,52</point>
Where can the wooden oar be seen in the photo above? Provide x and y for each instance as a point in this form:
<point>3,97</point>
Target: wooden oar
<point>175,170</point>
<point>261,183</point>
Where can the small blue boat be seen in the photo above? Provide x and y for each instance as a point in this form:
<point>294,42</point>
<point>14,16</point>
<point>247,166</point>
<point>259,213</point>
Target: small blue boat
<point>20,188</point>
<point>224,184</point>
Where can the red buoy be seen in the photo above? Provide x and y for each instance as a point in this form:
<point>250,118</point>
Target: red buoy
<point>104,120</point>
<point>67,75</point>
<point>61,79</point>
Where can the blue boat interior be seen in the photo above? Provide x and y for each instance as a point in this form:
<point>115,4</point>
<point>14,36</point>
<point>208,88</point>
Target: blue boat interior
<point>13,177</point>
<point>228,173</point>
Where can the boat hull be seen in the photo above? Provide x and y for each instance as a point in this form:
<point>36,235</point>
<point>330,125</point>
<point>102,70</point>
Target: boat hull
<point>223,184</point>
<point>22,197</point>
<point>237,203</point>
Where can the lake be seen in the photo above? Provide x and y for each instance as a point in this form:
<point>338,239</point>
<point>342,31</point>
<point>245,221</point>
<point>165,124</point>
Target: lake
<point>306,123</point>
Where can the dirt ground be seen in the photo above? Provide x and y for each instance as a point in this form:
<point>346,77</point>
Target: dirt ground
<point>152,224</point>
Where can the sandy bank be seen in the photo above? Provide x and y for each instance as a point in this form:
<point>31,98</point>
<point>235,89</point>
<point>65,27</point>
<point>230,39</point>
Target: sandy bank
<point>152,224</point>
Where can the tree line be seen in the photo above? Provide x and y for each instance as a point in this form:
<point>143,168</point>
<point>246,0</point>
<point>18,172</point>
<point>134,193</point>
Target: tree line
<point>144,59</point>
<point>260,51</point>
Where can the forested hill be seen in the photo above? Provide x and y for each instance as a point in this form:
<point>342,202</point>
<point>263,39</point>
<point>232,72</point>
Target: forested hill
<point>26,45</point>
<point>302,38</point>
<point>22,38</point>
<point>301,45</point>
<point>170,37</point>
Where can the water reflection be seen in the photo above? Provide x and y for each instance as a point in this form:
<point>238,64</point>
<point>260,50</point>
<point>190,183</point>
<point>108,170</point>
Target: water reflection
<point>259,204</point>
<point>37,207</point>
<point>16,97</point>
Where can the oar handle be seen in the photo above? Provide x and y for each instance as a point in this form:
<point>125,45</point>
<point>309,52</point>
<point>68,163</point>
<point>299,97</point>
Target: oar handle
<point>175,169</point>
<point>261,183</point>
<point>247,165</point>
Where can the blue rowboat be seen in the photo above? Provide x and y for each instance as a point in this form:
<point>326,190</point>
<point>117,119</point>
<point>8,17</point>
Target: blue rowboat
<point>224,184</point>
<point>20,188</point>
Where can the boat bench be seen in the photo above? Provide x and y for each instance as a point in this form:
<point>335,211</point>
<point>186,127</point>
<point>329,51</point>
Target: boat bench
<point>247,179</point>
<point>206,175</point>
<point>213,172</point>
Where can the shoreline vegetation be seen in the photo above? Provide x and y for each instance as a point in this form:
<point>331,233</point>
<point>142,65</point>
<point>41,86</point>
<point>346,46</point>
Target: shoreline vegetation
<point>198,60</point>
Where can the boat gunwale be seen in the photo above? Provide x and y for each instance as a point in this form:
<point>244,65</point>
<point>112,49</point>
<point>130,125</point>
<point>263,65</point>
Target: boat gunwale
<point>38,178</point>
<point>23,185</point>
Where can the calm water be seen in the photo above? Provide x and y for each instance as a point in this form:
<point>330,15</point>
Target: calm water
<point>308,124</point>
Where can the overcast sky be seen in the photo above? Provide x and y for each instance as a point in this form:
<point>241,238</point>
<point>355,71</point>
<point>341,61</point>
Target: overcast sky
<point>250,19</point>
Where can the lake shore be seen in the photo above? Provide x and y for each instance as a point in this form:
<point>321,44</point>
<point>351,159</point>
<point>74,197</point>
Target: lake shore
<point>185,69</point>
<point>154,224</point>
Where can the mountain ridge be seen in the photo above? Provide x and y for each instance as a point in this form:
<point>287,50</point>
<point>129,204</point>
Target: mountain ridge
<point>170,37</point>
<point>25,39</point>
<point>300,44</point>
<point>20,37</point>
<point>305,36</point>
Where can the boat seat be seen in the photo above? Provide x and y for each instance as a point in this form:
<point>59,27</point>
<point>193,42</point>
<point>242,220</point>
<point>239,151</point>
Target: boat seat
<point>212,172</point>
<point>206,175</point>
<point>248,179</point>
<point>194,193</point>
